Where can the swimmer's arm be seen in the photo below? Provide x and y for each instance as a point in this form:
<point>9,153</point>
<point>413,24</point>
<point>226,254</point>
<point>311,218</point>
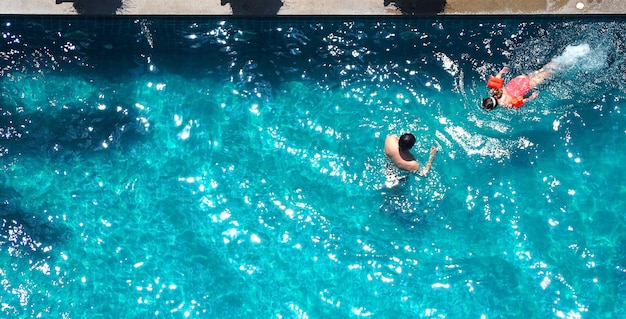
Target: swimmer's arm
<point>429,163</point>
<point>504,70</point>
<point>412,167</point>
<point>532,97</point>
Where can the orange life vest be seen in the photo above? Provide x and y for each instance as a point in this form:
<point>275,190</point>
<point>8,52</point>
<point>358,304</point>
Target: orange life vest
<point>494,82</point>
<point>517,102</point>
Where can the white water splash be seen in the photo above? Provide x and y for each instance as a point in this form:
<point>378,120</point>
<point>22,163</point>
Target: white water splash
<point>580,57</point>
<point>572,55</point>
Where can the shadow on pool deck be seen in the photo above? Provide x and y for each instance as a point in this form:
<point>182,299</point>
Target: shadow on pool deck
<point>311,7</point>
<point>254,7</point>
<point>95,7</point>
<point>416,7</point>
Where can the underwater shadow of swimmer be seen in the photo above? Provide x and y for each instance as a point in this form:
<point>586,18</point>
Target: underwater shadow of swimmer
<point>412,200</point>
<point>254,7</point>
<point>417,7</point>
<point>398,204</point>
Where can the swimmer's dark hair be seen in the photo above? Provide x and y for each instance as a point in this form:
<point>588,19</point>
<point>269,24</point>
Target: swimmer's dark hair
<point>489,104</point>
<point>407,140</point>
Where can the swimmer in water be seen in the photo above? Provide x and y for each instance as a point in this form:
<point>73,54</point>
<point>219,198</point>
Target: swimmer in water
<point>397,150</point>
<point>512,95</point>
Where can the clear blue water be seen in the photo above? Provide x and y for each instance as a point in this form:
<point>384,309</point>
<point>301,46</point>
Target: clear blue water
<point>202,168</point>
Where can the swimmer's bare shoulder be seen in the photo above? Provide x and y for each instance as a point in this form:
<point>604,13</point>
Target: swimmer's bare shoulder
<point>392,151</point>
<point>391,145</point>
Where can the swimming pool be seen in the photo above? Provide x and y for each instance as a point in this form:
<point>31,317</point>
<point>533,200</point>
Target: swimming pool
<point>209,168</point>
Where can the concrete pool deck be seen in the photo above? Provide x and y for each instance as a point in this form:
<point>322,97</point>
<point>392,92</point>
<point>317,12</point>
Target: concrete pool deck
<point>310,7</point>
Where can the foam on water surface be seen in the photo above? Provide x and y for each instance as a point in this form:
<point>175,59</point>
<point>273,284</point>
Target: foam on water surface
<point>572,54</point>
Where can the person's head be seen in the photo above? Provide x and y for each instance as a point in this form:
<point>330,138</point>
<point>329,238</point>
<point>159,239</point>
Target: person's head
<point>407,140</point>
<point>490,103</point>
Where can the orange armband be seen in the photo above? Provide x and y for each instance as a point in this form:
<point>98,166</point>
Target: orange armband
<point>494,82</point>
<point>517,102</point>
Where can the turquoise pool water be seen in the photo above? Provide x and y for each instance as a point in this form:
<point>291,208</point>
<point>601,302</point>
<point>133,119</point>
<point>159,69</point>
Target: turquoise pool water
<point>208,168</point>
